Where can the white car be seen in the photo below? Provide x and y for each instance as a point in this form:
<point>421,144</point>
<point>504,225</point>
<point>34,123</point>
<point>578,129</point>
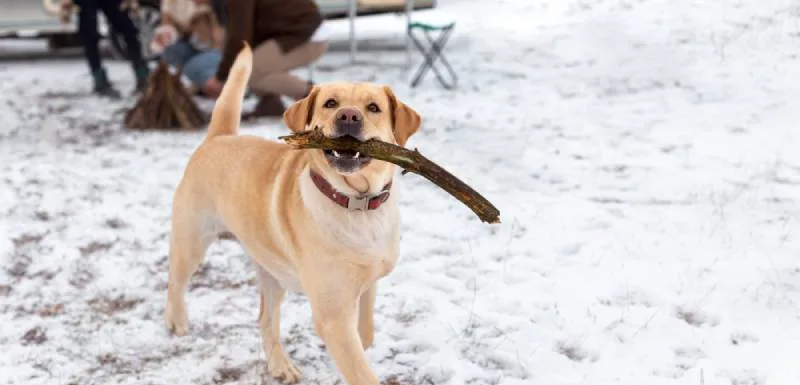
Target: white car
<point>40,19</point>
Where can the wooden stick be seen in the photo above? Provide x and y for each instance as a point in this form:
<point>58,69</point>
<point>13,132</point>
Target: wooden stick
<point>409,160</point>
<point>165,104</point>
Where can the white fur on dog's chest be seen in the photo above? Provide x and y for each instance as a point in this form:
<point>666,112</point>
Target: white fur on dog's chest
<point>363,235</point>
<point>365,232</point>
<point>375,249</point>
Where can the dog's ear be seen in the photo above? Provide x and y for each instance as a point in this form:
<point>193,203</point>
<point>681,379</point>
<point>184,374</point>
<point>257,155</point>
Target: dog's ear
<point>299,114</point>
<point>405,121</point>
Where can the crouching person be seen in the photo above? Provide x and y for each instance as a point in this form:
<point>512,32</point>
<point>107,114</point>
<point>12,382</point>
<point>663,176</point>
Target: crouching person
<point>191,37</point>
<point>283,36</point>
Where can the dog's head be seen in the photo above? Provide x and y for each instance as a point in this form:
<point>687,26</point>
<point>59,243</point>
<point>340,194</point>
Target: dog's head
<point>361,110</point>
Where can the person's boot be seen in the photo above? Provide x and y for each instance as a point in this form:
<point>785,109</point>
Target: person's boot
<point>142,73</point>
<point>102,86</point>
<point>269,105</point>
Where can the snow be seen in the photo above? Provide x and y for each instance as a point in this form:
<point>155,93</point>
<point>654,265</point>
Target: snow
<point>642,154</point>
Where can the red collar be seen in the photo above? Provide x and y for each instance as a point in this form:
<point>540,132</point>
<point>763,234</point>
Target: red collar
<point>353,203</point>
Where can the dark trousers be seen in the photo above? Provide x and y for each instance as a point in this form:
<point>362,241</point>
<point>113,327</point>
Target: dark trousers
<point>118,19</point>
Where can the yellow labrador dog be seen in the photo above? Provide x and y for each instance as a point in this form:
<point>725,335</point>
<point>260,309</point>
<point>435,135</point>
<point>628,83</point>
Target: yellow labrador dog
<point>324,223</point>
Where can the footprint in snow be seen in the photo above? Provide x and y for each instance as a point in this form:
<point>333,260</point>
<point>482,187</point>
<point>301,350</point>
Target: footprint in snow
<point>696,317</point>
<point>575,351</point>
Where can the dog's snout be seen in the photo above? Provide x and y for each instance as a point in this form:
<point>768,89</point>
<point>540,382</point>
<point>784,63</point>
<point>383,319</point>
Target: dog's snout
<point>349,115</point>
<point>349,121</point>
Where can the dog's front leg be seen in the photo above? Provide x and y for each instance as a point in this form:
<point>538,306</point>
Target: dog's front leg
<point>366,316</point>
<point>336,321</point>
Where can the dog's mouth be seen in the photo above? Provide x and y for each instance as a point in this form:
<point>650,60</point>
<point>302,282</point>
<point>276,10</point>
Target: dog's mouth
<point>346,161</point>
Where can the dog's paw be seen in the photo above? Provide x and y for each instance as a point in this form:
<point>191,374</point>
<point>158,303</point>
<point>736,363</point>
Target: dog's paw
<point>282,368</point>
<point>176,319</point>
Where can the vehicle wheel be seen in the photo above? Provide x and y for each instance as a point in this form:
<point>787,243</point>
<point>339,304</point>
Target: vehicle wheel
<point>146,21</point>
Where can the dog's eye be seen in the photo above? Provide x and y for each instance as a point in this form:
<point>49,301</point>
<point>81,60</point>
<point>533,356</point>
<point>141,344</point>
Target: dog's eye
<point>330,103</point>
<point>372,107</point>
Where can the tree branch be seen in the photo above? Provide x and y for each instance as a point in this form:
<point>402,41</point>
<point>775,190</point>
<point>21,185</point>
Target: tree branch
<point>410,161</point>
<point>165,104</point>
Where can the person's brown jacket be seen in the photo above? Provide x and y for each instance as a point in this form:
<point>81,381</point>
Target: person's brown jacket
<point>289,22</point>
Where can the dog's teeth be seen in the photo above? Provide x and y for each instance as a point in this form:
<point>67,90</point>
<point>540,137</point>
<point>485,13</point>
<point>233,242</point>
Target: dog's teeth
<point>357,155</point>
<point>336,154</point>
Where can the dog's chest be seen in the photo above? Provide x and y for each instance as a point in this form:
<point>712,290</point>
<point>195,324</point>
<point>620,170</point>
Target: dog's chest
<point>361,231</point>
<point>372,236</point>
<point>367,240</point>
<point>359,240</point>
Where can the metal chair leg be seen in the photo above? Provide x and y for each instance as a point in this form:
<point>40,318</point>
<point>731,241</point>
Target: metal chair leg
<point>351,15</point>
<point>436,46</point>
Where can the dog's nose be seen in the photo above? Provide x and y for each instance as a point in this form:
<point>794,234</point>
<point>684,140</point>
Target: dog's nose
<point>349,115</point>
<point>349,121</point>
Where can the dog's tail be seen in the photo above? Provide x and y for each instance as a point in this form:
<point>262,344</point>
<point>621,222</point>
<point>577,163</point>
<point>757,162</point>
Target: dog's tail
<point>227,111</point>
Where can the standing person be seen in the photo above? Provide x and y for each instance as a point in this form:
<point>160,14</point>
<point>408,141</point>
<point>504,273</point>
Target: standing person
<point>121,22</point>
<point>281,33</point>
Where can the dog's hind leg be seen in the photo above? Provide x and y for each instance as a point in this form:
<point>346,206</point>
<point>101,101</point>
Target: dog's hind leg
<point>279,365</point>
<point>190,238</point>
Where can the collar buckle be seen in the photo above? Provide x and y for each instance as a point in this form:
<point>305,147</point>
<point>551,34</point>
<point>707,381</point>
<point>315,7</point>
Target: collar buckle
<point>358,203</point>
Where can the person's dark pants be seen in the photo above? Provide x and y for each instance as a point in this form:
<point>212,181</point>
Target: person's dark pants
<point>117,18</point>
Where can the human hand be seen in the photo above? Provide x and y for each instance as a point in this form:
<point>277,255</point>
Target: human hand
<point>163,36</point>
<point>66,8</point>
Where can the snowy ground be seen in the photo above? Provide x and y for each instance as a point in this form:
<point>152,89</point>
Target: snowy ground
<point>642,154</point>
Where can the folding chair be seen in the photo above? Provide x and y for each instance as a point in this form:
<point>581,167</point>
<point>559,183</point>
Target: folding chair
<point>433,51</point>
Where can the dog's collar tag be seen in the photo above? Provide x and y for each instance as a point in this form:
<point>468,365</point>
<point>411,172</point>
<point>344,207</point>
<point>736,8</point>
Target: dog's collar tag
<point>355,203</point>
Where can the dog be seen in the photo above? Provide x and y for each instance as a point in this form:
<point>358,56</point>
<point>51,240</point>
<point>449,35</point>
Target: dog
<point>323,223</point>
